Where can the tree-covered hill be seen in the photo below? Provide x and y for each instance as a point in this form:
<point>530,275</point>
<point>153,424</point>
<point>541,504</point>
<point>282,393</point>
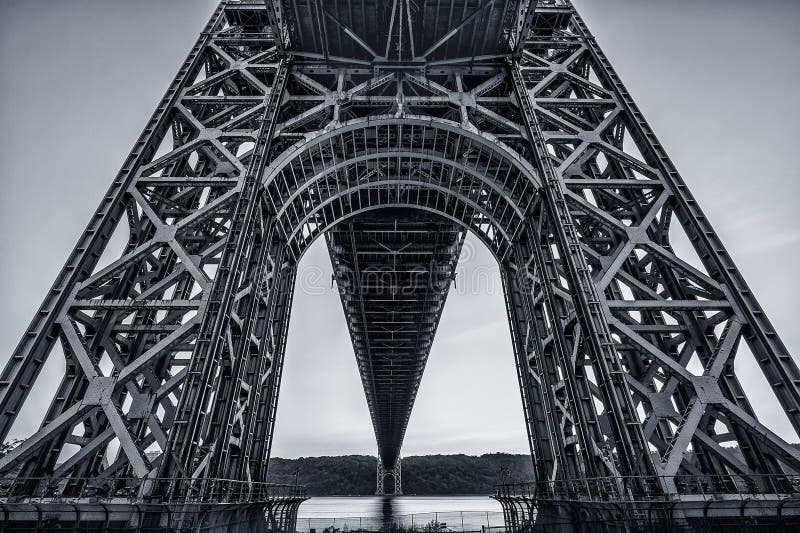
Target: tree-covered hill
<point>427,474</point>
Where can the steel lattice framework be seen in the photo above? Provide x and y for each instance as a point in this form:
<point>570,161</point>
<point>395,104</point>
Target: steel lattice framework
<point>396,127</point>
<point>396,472</point>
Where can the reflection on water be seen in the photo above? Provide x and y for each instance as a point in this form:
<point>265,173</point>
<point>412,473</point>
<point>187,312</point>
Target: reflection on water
<point>373,513</point>
<point>341,506</point>
<point>387,512</point>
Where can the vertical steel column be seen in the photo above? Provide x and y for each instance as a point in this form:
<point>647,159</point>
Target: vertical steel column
<point>538,375</point>
<point>264,424</point>
<point>191,446</point>
<point>630,443</point>
<point>544,435</point>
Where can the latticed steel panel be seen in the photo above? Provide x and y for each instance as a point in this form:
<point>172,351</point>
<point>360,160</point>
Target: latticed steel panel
<point>393,270</point>
<point>136,331</point>
<point>669,322</point>
<point>625,342</point>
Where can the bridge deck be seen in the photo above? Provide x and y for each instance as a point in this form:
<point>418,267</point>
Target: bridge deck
<point>393,272</point>
<point>406,31</point>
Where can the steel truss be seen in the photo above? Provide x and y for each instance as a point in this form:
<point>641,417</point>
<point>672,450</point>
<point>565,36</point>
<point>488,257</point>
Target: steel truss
<point>396,471</point>
<point>625,341</point>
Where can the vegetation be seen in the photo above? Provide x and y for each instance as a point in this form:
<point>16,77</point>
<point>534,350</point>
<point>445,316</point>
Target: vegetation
<point>424,475</point>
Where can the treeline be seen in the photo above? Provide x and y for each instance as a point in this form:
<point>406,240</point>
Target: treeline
<point>424,475</point>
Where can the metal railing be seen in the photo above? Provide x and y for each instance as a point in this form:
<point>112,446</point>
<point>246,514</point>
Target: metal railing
<point>443,521</point>
<point>649,488</point>
<point>148,490</point>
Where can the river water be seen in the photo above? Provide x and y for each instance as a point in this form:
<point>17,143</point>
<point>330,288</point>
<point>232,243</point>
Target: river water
<point>459,513</point>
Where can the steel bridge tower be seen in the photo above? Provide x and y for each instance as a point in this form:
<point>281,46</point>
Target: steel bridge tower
<point>396,473</point>
<point>394,128</point>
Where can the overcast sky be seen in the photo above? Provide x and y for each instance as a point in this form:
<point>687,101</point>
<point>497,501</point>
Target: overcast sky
<point>716,79</point>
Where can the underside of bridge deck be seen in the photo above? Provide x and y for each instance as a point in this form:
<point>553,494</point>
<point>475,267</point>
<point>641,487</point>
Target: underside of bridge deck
<point>393,270</point>
<point>400,30</point>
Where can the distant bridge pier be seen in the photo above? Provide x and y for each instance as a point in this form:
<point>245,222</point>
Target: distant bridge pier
<point>396,473</point>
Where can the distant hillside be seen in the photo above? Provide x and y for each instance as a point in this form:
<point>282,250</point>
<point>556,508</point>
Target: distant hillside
<point>427,474</point>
